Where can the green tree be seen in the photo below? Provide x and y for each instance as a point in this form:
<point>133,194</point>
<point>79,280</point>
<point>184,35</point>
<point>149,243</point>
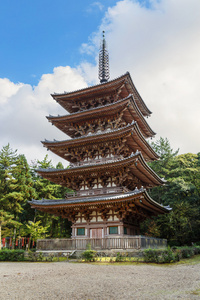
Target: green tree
<point>58,227</point>
<point>163,148</point>
<point>16,182</point>
<point>36,231</point>
<point>5,220</point>
<point>16,185</point>
<point>181,192</point>
<point>24,184</point>
<point>8,159</point>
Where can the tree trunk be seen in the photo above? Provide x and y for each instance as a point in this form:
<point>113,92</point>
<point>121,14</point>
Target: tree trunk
<point>14,237</point>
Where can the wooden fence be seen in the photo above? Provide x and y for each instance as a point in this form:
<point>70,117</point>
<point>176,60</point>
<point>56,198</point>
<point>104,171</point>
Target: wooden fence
<point>136,242</point>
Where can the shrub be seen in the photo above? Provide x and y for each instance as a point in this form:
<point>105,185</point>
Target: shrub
<point>34,256</point>
<point>89,255</point>
<point>168,256</point>
<point>160,256</point>
<point>196,250</point>
<point>151,255</point>
<point>119,257</point>
<point>187,252</point>
<point>11,255</point>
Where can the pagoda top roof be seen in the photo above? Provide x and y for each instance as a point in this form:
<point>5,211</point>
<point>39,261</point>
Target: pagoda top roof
<point>66,99</point>
<point>135,162</point>
<point>145,201</point>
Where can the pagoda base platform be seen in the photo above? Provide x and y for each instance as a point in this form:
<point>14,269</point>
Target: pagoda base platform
<point>121,243</point>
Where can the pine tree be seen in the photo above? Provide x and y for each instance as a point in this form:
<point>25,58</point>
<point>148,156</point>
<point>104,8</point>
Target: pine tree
<point>58,227</point>
<point>5,220</point>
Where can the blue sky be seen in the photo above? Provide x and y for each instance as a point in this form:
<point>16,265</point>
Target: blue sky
<point>38,35</point>
<point>52,46</point>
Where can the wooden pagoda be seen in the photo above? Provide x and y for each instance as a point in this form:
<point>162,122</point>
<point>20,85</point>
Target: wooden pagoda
<point>108,154</point>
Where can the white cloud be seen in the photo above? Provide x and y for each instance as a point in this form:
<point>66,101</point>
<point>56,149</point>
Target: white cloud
<point>23,110</point>
<point>7,89</point>
<point>160,48</point>
<point>98,4</point>
<point>88,49</point>
<point>95,6</point>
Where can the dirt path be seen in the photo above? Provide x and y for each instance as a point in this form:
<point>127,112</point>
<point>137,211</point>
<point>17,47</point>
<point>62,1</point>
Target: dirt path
<point>63,280</point>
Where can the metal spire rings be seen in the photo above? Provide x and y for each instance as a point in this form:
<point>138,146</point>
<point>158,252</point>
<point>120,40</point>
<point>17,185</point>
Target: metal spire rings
<point>104,74</point>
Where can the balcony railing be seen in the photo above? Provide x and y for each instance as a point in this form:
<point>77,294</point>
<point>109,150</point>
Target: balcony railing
<point>132,242</point>
<point>95,192</point>
<point>95,161</point>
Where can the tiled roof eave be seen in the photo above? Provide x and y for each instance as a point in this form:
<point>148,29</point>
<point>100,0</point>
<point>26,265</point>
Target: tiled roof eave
<point>91,109</point>
<point>148,112</point>
<point>151,175</point>
<point>88,199</point>
<point>137,153</point>
<point>92,135</point>
<point>99,86</point>
<point>101,135</point>
<point>106,199</point>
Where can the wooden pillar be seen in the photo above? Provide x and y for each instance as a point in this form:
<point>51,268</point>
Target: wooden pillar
<point>121,230</point>
<point>73,231</point>
<point>87,228</point>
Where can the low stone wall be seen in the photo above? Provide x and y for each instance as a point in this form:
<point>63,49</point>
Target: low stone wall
<point>124,243</point>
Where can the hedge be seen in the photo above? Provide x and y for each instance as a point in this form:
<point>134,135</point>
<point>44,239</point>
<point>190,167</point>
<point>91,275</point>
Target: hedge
<point>170,254</point>
<point>11,255</point>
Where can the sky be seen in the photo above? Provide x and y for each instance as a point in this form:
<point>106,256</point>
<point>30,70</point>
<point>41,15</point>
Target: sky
<point>52,46</point>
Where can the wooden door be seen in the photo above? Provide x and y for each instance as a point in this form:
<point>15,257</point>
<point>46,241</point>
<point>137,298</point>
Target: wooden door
<point>96,233</point>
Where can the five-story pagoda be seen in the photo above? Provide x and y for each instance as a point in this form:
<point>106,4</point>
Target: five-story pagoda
<point>108,155</point>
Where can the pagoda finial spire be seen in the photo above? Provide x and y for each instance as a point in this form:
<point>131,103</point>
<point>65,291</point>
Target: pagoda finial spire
<point>104,74</point>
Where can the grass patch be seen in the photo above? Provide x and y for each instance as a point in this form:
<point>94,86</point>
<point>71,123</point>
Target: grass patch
<point>110,259</point>
<point>196,292</point>
<point>135,261</point>
<point>192,260</point>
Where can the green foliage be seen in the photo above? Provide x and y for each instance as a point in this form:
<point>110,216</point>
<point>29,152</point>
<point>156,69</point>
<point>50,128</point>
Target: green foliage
<point>88,246</point>
<point>187,252</point>
<point>6,219</point>
<point>119,257</point>
<point>58,227</point>
<point>179,227</point>
<point>89,255</point>
<point>19,183</point>
<point>181,191</point>
<point>33,256</point>
<point>11,255</point>
<point>151,255</point>
<point>163,149</point>
<point>160,256</point>
<point>16,183</point>
<point>36,230</point>
<point>170,254</point>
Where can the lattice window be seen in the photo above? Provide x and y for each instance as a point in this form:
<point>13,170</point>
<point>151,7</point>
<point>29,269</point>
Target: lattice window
<point>113,230</point>
<point>80,231</point>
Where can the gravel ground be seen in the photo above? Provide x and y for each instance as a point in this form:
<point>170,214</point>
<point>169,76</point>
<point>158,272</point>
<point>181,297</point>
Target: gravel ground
<point>64,280</point>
